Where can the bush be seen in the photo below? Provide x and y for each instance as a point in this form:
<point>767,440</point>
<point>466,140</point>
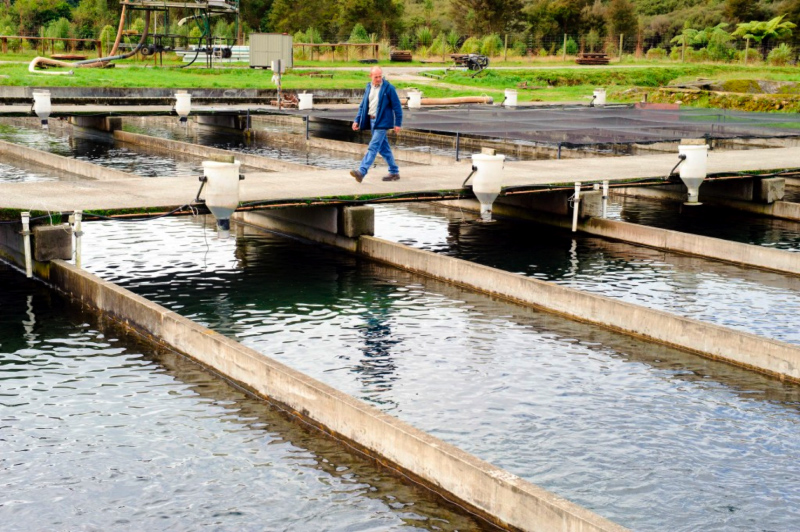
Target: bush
<point>491,45</point>
<point>656,53</point>
<point>572,46</point>
<point>107,36</point>
<point>542,52</point>
<point>781,55</point>
<point>753,56</point>
<point>519,49</point>
<point>471,46</point>
<point>424,36</point>
<point>405,42</point>
<point>358,35</point>
<point>452,40</point>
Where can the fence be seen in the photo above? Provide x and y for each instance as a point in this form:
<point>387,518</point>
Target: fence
<point>44,41</point>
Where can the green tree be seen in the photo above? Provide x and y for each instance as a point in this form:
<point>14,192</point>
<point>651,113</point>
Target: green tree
<point>763,32</point>
<point>33,14</point>
<point>742,11</point>
<point>486,16</point>
<point>290,16</point>
<point>377,16</point>
<point>621,18</point>
<point>90,16</point>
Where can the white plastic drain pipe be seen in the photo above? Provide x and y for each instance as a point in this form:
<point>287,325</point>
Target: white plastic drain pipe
<point>694,169</point>
<point>42,106</point>
<point>183,105</point>
<point>222,192</point>
<point>26,239</point>
<point>576,205</point>
<point>488,181</point>
<point>77,217</point>
<point>605,197</point>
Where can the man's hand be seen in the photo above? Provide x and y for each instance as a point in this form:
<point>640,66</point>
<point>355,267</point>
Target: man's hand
<point>397,129</point>
<point>355,126</point>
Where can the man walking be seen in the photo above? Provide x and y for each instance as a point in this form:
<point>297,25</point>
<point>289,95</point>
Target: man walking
<point>380,111</point>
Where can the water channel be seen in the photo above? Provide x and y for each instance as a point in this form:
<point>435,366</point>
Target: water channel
<point>101,431</point>
<point>647,436</point>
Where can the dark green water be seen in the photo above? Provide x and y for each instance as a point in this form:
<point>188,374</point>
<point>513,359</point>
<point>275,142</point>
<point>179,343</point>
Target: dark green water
<point>647,436</point>
<point>100,431</point>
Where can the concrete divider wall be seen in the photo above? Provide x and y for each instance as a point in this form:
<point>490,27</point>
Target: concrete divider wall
<point>186,148</point>
<point>66,164</point>
<point>714,248</point>
<point>493,492</point>
<point>742,349</point>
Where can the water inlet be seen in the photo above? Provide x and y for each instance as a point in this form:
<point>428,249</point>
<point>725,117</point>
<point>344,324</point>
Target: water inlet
<point>694,169</point>
<point>511,98</point>
<point>414,99</point>
<point>222,192</point>
<point>183,105</point>
<point>605,198</point>
<point>306,102</point>
<point>599,97</point>
<point>488,181</point>
<point>77,230</point>
<point>42,106</point>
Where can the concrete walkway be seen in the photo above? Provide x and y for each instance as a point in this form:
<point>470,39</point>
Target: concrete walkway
<point>298,186</point>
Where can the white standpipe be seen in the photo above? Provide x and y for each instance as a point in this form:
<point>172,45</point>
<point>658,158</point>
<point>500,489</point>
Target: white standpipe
<point>77,217</point>
<point>693,169</point>
<point>222,192</point>
<point>605,197</point>
<point>576,205</point>
<point>306,101</point>
<point>414,99</point>
<point>183,105</point>
<point>511,98</point>
<point>26,240</point>
<point>599,97</point>
<point>42,106</point>
<point>488,181</point>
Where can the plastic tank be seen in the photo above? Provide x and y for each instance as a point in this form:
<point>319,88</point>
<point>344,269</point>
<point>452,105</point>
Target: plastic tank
<point>599,97</point>
<point>222,192</point>
<point>306,101</point>
<point>693,169</point>
<point>488,181</point>
<point>414,99</point>
<point>511,98</point>
<point>42,106</point>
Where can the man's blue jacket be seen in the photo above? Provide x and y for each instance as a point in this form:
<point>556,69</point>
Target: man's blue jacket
<point>390,112</point>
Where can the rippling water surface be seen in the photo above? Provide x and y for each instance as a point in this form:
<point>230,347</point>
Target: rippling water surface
<point>747,299</point>
<point>647,436</point>
<point>99,431</point>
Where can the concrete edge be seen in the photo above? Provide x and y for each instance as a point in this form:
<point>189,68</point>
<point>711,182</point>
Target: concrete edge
<point>500,496</point>
<point>67,164</point>
<point>746,350</point>
<point>196,150</point>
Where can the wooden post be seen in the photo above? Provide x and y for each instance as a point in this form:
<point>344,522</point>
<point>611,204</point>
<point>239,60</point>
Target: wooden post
<point>444,47</point>
<point>5,45</point>
<point>505,49</point>
<point>683,50</point>
<point>564,56</point>
<point>620,47</point>
<point>746,49</point>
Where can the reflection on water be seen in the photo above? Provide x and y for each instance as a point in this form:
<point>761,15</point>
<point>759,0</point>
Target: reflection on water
<point>100,148</point>
<point>102,432</point>
<point>750,300</point>
<point>639,433</point>
<point>236,141</point>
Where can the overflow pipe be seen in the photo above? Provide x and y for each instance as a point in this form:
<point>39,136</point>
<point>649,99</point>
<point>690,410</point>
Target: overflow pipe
<point>605,197</point>
<point>576,204</point>
<point>26,237</point>
<point>78,215</point>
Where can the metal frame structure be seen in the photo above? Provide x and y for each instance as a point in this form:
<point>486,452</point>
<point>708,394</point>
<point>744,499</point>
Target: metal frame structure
<point>200,12</point>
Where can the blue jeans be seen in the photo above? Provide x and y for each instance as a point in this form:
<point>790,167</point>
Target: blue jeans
<point>378,144</point>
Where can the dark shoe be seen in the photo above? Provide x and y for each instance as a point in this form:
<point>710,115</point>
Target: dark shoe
<point>358,175</point>
<point>392,177</point>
